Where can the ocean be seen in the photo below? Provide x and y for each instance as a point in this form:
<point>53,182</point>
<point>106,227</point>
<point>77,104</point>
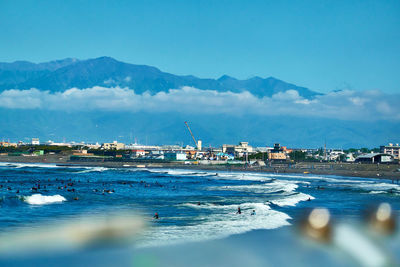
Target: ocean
<point>193,205</point>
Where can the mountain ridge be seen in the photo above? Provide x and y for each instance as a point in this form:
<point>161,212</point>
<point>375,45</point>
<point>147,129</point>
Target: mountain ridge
<point>60,75</point>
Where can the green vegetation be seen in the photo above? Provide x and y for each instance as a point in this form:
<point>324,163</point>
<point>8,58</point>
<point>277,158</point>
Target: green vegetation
<point>298,155</point>
<point>257,156</point>
<point>31,148</point>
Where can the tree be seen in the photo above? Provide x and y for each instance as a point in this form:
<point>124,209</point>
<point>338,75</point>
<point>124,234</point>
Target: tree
<point>298,155</point>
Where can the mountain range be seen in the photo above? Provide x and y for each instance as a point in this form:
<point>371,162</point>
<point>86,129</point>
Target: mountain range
<point>60,75</point>
<point>294,129</point>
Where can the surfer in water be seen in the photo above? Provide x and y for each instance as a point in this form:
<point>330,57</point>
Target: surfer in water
<point>253,212</point>
<point>156,216</point>
<point>239,211</point>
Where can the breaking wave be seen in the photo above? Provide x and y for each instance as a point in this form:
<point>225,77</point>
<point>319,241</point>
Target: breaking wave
<point>222,224</point>
<point>292,200</point>
<point>39,199</point>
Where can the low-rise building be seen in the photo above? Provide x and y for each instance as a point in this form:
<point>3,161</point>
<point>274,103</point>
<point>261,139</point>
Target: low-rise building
<point>375,158</point>
<point>93,146</point>
<point>113,146</point>
<point>238,150</point>
<point>392,150</point>
<point>350,157</point>
<point>38,152</point>
<point>137,153</point>
<point>8,144</point>
<point>35,141</point>
<point>277,153</point>
<point>175,156</point>
<point>335,154</point>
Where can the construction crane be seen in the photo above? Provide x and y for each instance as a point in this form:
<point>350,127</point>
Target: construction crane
<point>190,131</point>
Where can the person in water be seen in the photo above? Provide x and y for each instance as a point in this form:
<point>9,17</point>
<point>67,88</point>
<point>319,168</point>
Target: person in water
<point>156,216</point>
<point>239,211</point>
<point>253,212</point>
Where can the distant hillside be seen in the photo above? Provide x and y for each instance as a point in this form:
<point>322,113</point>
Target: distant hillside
<point>215,130</point>
<point>107,72</point>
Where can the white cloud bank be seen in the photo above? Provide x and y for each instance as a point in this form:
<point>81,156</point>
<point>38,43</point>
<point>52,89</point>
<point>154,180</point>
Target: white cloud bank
<point>346,105</point>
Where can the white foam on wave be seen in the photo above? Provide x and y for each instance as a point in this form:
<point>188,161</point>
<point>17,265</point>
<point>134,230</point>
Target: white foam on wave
<point>381,187</point>
<point>218,225</point>
<point>246,176</point>
<point>274,186</point>
<point>188,173</point>
<point>29,165</point>
<point>292,200</point>
<point>332,179</point>
<point>38,199</point>
<point>94,169</point>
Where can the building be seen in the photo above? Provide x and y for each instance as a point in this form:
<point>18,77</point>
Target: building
<point>38,152</point>
<point>335,154</point>
<point>392,150</point>
<point>35,141</point>
<point>199,145</point>
<point>93,146</point>
<point>137,153</point>
<point>277,153</point>
<point>175,156</point>
<point>350,157</point>
<point>113,146</point>
<point>238,150</point>
<point>375,158</point>
<point>8,144</point>
<point>228,149</point>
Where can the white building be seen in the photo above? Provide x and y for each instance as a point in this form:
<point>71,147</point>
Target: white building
<point>137,153</point>
<point>238,150</point>
<point>35,141</point>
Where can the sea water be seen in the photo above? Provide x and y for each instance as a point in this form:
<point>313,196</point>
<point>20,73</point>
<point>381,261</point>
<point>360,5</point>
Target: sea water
<point>192,205</point>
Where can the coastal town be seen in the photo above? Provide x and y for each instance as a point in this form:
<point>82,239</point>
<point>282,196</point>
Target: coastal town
<point>242,153</point>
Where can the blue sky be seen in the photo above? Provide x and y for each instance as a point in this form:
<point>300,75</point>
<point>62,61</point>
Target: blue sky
<point>323,45</point>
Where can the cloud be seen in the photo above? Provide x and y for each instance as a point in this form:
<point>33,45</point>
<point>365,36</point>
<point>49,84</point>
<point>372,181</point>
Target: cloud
<point>345,105</point>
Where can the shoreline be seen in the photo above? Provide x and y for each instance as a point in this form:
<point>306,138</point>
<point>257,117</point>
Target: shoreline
<point>377,171</point>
